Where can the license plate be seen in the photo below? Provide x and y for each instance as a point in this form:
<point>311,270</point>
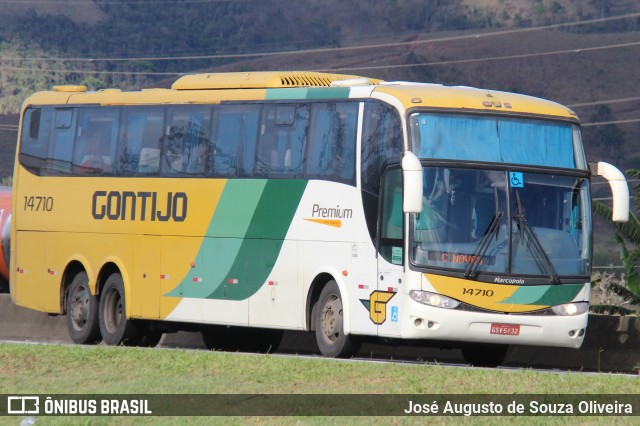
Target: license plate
<point>506,329</point>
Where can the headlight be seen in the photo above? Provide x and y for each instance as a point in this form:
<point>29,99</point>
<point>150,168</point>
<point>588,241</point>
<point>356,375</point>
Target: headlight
<point>433,299</point>
<point>574,308</point>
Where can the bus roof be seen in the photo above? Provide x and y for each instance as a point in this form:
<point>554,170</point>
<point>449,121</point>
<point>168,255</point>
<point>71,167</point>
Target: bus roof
<point>248,86</point>
<point>437,96</point>
<point>262,80</point>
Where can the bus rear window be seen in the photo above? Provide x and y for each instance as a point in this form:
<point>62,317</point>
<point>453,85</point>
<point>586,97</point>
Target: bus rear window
<point>34,123</point>
<point>33,148</point>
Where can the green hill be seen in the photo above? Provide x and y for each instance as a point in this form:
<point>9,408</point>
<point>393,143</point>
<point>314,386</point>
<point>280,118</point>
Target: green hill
<point>591,67</point>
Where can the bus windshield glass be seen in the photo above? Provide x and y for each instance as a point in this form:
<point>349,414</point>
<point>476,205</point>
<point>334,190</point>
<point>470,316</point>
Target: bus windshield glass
<point>503,222</point>
<point>497,140</point>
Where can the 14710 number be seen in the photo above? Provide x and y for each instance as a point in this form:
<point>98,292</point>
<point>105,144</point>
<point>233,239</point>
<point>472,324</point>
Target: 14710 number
<point>477,292</point>
<point>38,203</point>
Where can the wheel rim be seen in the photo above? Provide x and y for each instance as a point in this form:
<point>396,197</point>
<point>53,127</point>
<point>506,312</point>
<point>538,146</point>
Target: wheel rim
<point>114,310</point>
<point>331,319</point>
<point>79,312</point>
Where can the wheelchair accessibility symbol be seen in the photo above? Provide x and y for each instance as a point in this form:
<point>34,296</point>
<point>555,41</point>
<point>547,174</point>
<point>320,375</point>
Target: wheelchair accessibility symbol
<point>516,179</point>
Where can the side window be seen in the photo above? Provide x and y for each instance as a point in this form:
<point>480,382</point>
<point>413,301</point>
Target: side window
<point>283,138</point>
<point>94,150</point>
<point>331,154</point>
<point>60,147</point>
<point>141,137</point>
<point>36,126</point>
<point>381,143</point>
<point>188,142</point>
<point>236,133</point>
<point>392,217</point>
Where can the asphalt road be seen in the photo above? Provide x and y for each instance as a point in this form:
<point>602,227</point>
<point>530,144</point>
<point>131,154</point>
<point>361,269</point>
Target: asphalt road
<point>611,343</point>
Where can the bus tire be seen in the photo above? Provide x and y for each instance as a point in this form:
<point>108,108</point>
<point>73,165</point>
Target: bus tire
<point>330,336</point>
<point>484,355</point>
<point>116,329</point>
<point>82,312</point>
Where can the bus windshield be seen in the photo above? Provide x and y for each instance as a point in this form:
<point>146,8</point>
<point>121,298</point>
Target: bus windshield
<point>497,140</point>
<point>503,222</point>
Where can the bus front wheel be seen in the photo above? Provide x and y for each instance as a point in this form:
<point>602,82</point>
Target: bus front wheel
<point>116,329</point>
<point>330,335</point>
<point>82,312</point>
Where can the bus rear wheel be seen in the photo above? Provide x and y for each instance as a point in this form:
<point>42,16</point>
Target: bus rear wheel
<point>484,355</point>
<point>82,312</point>
<point>116,329</point>
<point>330,336</point>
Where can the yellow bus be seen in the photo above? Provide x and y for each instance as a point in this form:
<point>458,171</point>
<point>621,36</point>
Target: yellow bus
<point>245,204</point>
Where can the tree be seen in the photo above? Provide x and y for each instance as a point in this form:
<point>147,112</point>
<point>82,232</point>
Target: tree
<point>607,135</point>
<point>627,235</point>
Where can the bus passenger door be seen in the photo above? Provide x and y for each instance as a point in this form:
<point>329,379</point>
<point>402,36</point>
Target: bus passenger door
<point>385,302</point>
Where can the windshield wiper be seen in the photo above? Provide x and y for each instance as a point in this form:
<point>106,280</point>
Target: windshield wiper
<point>485,241</point>
<point>535,247</point>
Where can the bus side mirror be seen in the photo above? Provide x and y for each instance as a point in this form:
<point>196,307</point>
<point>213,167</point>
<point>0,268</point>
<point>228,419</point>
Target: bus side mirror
<point>412,186</point>
<point>619,189</point>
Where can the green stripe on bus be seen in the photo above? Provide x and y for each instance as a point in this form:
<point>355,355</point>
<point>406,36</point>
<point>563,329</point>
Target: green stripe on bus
<point>275,210</point>
<point>559,294</point>
<point>263,241</point>
<point>236,208</point>
<point>308,93</point>
<point>231,219</point>
<point>234,263</point>
<point>215,257</point>
<point>279,94</point>
<point>328,93</point>
<point>547,295</point>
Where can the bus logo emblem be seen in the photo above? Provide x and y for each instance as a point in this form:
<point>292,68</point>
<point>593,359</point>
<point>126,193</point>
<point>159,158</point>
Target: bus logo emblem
<point>377,305</point>
<point>23,405</point>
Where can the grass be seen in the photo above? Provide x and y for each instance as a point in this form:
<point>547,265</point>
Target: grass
<point>47,369</point>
